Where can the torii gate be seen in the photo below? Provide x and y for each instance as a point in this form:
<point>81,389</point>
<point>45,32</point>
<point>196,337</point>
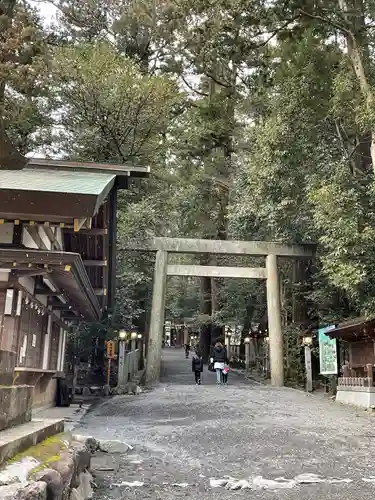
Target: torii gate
<point>271,250</point>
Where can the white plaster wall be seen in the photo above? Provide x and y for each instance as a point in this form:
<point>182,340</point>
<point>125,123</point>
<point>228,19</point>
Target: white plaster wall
<point>362,399</point>
<point>47,342</point>
<point>27,240</point>
<point>44,237</point>
<point>42,298</point>
<point>59,237</point>
<point>59,356</point>
<point>6,232</point>
<point>62,347</point>
<point>28,283</point>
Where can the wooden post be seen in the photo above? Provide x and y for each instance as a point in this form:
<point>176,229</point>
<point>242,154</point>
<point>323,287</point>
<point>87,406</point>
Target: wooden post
<point>109,371</point>
<point>308,369</point>
<point>121,361</point>
<point>370,374</point>
<point>346,371</point>
<point>247,356</point>
<point>252,354</point>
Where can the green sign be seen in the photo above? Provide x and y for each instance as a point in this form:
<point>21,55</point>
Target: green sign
<point>327,352</point>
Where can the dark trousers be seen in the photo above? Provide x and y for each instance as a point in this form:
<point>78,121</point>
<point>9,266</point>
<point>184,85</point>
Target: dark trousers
<point>197,377</point>
<point>224,377</point>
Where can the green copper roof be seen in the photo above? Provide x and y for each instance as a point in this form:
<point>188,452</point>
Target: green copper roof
<point>56,181</point>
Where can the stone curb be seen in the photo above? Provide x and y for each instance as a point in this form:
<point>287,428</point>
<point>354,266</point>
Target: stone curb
<point>240,373</point>
<point>69,477</point>
<point>105,445</point>
<point>263,382</point>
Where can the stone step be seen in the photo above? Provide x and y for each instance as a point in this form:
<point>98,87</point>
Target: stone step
<point>19,438</point>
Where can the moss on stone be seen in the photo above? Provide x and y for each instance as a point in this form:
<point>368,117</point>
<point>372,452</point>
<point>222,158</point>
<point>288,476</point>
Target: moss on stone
<point>43,465</point>
<point>46,452</point>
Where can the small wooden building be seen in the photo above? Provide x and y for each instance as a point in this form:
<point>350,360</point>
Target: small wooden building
<point>356,383</point>
<point>57,262</point>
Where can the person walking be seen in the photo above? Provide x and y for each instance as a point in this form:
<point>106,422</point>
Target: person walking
<point>187,350</point>
<point>219,358</point>
<point>225,374</point>
<point>197,366</point>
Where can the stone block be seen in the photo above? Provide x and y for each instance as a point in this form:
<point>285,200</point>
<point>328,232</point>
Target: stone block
<point>8,492</point>
<point>85,488</point>
<point>96,390</point>
<point>15,405</point>
<point>19,438</point>
<point>81,458</point>
<point>65,466</point>
<point>91,443</point>
<point>130,388</point>
<point>114,446</point>
<point>54,482</point>
<point>75,495</point>
<point>67,478</point>
<point>86,392</point>
<point>45,391</point>
<point>7,364</point>
<point>36,490</point>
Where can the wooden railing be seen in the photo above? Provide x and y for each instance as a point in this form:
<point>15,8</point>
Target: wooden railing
<point>355,382</point>
<point>350,380</point>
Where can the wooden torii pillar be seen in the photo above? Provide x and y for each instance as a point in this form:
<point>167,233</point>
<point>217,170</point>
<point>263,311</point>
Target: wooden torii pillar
<point>155,335</point>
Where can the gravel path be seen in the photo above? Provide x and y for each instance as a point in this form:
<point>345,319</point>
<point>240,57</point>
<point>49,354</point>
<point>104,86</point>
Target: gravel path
<point>184,434</point>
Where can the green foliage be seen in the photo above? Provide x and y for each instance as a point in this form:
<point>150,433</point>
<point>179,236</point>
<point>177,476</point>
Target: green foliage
<point>344,217</point>
<point>293,359</point>
<point>264,147</point>
<point>104,95</point>
<point>269,139</point>
<point>301,179</point>
<point>24,71</point>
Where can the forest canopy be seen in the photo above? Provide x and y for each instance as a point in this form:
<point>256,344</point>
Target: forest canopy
<point>256,118</point>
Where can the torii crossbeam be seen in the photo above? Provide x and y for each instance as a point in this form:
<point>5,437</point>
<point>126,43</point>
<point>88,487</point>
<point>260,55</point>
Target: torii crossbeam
<point>271,250</point>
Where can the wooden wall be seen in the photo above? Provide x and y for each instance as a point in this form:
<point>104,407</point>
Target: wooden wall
<point>33,328</point>
<point>361,353</point>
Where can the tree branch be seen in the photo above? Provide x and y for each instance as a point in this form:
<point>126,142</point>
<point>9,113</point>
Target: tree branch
<point>277,31</point>
<point>354,151</point>
<point>326,21</point>
<point>222,84</point>
<point>203,94</point>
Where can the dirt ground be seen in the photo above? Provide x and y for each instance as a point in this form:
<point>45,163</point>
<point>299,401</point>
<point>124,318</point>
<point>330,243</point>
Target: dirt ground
<point>185,435</point>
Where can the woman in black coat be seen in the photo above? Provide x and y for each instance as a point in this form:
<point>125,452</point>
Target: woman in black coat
<point>219,360</point>
<point>197,366</point>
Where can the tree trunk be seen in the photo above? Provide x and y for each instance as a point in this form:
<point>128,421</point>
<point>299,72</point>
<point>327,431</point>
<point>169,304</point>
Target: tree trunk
<point>358,50</point>
<point>223,195</point>
<point>301,288</point>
